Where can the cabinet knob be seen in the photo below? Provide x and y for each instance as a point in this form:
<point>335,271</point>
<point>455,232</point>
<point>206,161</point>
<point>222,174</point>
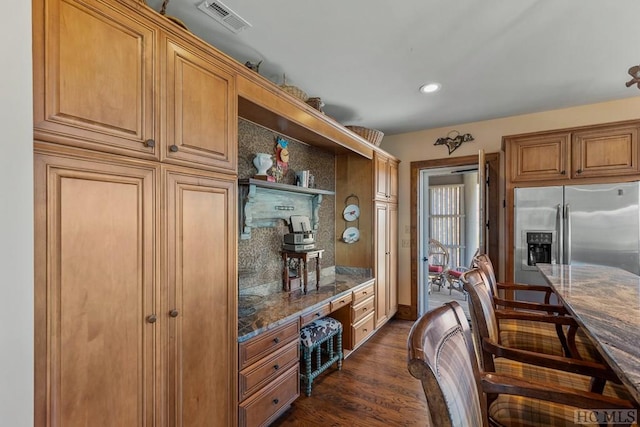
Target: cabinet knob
<point>579,171</point>
<point>173,313</point>
<point>563,172</point>
<point>150,143</point>
<point>276,366</point>
<point>173,148</point>
<point>276,340</point>
<point>276,401</point>
<point>152,318</point>
<point>317,314</point>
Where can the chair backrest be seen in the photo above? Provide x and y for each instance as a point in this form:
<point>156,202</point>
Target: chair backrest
<point>483,262</point>
<point>438,254</point>
<point>483,315</point>
<point>442,357</point>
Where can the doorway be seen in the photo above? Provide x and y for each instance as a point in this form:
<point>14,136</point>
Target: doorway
<point>448,214</point>
<point>490,202</point>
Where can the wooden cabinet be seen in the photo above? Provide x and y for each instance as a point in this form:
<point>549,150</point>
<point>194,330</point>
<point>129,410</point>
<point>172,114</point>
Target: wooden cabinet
<point>386,261</point>
<point>105,305</point>
<point>385,178</point>
<point>269,376</point>
<point>199,119</point>
<point>605,152</point>
<point>98,318</point>
<point>358,317</point>
<point>533,158</point>
<point>94,77</point>
<point>589,152</point>
<point>117,81</point>
<point>201,268</point>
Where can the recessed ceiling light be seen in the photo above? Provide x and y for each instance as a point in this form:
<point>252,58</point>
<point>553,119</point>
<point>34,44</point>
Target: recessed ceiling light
<point>430,87</point>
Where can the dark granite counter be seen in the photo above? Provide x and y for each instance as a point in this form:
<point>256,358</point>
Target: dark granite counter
<point>606,302</point>
<point>259,313</point>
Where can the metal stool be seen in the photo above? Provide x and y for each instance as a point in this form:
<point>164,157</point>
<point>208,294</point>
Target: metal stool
<point>312,337</point>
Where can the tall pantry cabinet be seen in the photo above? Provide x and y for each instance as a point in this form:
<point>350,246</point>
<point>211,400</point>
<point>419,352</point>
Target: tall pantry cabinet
<point>136,220</point>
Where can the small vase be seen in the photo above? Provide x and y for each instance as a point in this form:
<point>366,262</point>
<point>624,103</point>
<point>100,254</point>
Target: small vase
<point>262,162</point>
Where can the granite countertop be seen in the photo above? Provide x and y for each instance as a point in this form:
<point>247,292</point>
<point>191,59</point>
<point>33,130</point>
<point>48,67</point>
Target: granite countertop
<point>260,313</point>
<point>606,303</point>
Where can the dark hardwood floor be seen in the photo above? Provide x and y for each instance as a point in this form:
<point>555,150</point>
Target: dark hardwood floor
<point>374,388</point>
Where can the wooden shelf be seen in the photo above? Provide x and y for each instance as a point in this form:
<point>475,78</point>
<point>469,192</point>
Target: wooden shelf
<point>284,187</point>
<point>265,204</point>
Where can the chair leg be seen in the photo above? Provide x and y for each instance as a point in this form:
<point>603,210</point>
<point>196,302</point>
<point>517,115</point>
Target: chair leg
<point>340,352</point>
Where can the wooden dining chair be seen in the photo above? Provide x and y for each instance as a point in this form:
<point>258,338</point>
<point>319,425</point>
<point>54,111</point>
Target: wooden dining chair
<point>442,356</point>
<point>531,335</point>
<point>498,356</point>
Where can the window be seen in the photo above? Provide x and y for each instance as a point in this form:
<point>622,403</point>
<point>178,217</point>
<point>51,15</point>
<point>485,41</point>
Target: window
<point>447,220</point>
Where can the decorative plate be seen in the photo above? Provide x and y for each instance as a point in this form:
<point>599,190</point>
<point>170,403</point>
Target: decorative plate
<point>351,213</point>
<point>351,235</point>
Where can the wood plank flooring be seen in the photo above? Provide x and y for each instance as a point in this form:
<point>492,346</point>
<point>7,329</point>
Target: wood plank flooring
<point>373,389</point>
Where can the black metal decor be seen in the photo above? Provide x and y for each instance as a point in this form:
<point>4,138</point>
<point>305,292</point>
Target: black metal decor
<point>453,140</point>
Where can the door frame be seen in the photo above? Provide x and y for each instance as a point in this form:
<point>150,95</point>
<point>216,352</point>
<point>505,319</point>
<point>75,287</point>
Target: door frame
<point>493,210</point>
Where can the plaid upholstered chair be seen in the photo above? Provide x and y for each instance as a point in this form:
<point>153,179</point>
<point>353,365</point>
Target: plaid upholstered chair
<point>496,356</point>
<point>560,340</point>
<point>442,357</point>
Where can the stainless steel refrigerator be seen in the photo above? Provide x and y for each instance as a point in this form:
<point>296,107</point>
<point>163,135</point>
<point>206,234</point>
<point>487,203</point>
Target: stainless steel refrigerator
<point>596,224</point>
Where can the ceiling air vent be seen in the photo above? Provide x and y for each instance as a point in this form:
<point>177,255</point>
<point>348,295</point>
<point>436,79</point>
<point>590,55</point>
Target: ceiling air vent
<point>224,15</point>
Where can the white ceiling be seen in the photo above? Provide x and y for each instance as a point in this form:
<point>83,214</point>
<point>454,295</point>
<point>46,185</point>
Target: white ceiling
<point>366,59</point>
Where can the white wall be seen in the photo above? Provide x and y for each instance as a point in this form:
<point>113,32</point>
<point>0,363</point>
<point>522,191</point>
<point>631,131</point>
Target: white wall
<point>16,216</point>
<point>488,135</point>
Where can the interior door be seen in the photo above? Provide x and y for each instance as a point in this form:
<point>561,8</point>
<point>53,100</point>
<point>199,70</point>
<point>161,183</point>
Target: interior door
<point>482,204</point>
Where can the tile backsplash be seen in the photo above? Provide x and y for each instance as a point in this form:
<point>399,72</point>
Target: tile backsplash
<point>259,258</point>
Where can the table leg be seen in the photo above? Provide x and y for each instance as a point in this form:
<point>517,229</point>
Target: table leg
<point>318,272</point>
<point>285,274</point>
<point>304,272</point>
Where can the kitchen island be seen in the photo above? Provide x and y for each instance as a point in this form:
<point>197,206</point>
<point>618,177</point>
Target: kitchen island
<point>606,303</point>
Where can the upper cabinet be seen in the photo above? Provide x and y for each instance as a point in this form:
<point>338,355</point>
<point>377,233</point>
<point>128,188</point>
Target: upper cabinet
<point>199,119</point>
<point>385,178</point>
<point>116,81</point>
<point>605,152</point>
<point>538,157</point>
<point>94,76</point>
<point>600,151</point>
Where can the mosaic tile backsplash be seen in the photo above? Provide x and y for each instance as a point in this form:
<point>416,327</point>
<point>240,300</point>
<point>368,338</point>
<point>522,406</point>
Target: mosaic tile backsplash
<point>259,258</point>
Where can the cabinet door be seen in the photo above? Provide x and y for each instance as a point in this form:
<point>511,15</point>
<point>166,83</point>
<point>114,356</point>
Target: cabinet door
<point>381,177</point>
<point>381,262</point>
<point>393,181</point>
<point>200,109</point>
<point>538,157</point>
<point>94,76</point>
<point>605,152</point>
<point>95,290</point>
<point>202,305</point>
<point>392,244</point>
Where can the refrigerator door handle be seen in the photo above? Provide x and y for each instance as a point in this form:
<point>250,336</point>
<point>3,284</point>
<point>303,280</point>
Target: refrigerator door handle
<point>560,233</point>
<point>567,247</point>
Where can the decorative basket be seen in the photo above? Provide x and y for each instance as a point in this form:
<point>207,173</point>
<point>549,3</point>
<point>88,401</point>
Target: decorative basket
<point>316,103</point>
<point>294,90</point>
<point>372,135</point>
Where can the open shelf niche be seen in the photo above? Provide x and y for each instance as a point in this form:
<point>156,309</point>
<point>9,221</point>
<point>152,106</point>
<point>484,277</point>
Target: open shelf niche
<point>264,204</point>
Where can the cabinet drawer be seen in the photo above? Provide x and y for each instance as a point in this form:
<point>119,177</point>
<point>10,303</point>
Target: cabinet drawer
<point>264,406</point>
<point>254,377</point>
<point>315,314</point>
<point>362,309</point>
<point>362,329</point>
<point>338,303</point>
<point>267,342</point>
<point>363,293</point>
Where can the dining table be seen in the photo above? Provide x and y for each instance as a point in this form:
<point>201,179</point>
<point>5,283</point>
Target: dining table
<point>605,302</point>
